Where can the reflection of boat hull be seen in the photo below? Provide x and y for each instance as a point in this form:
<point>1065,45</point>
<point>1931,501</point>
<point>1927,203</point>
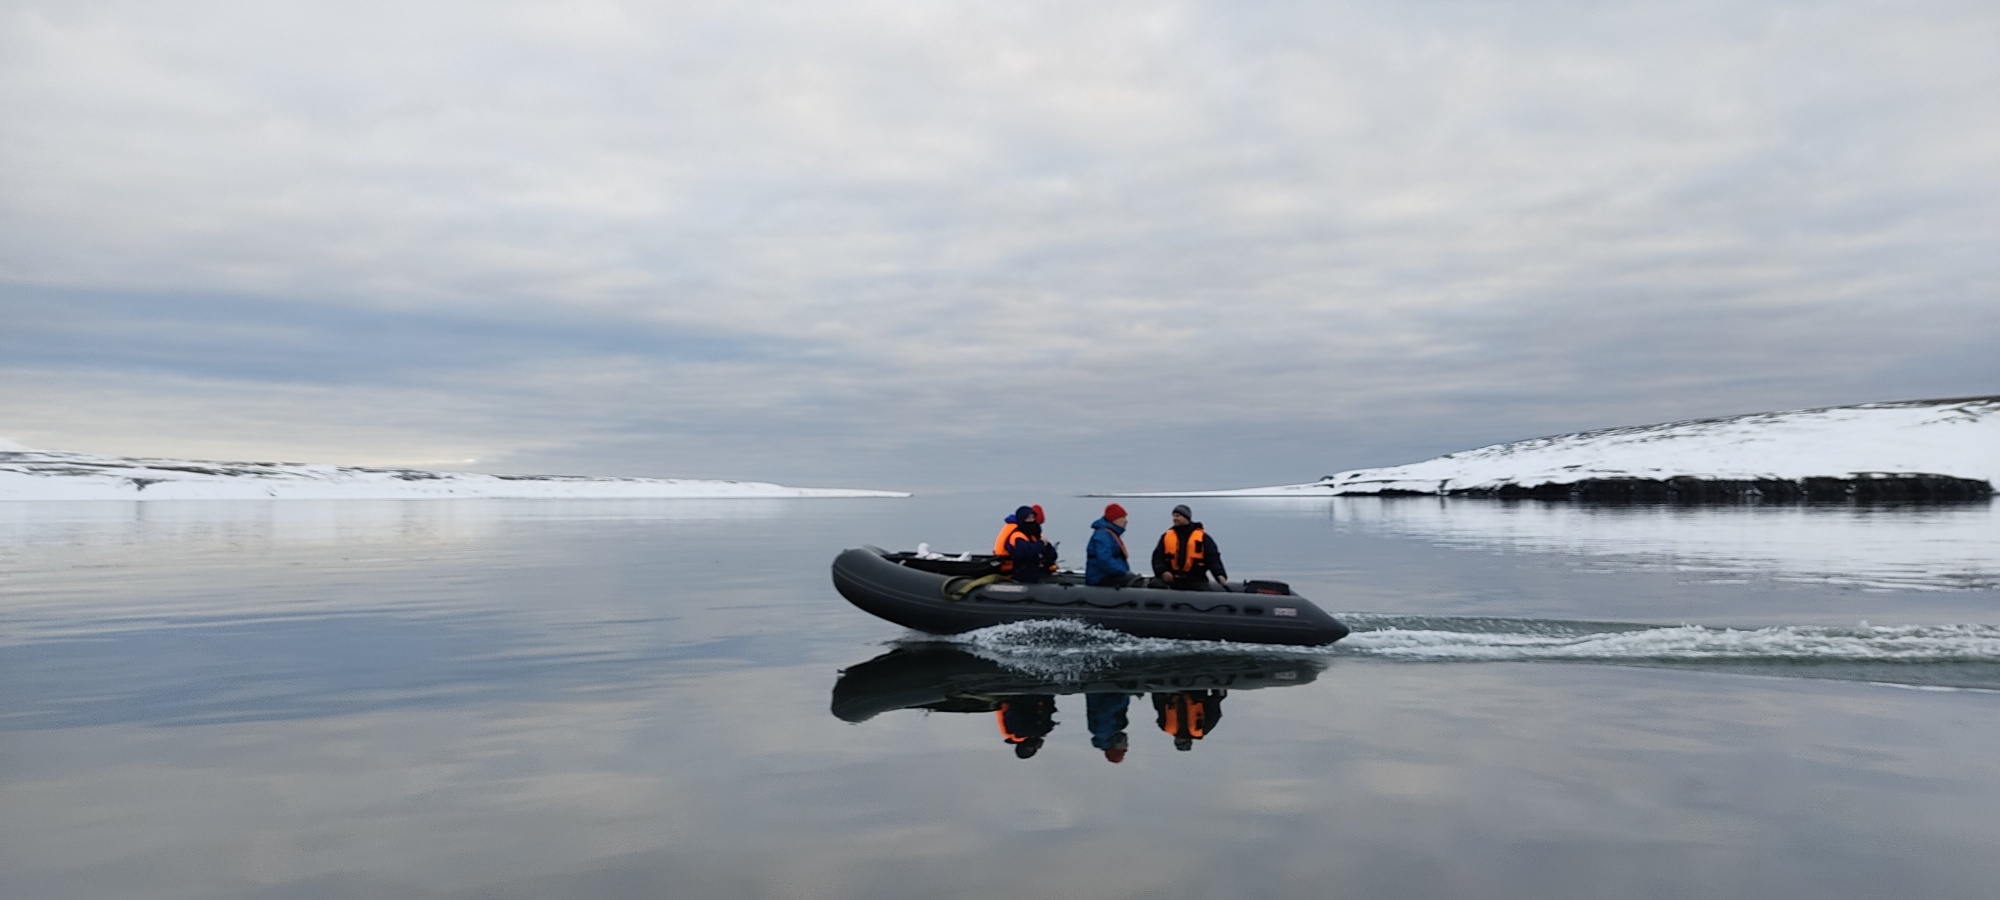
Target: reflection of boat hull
<point>923,600</point>
<point>946,679</point>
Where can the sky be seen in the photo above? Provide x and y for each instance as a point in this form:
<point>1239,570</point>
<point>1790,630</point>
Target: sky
<point>932,245</point>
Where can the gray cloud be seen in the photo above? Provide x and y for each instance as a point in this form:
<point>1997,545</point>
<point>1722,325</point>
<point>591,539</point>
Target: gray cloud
<point>910,243</point>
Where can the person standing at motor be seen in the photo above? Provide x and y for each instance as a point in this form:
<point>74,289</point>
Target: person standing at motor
<point>1106,564</point>
<point>1029,558</point>
<point>1185,555</point>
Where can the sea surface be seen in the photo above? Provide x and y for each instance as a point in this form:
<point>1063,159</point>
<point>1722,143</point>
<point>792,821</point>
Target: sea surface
<point>667,699</point>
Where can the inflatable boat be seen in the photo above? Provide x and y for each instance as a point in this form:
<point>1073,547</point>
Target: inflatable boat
<point>955,595</point>
<point>942,678</point>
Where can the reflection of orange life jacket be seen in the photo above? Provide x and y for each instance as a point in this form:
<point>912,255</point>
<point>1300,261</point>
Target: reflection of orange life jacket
<point>1184,559</point>
<point>1000,716</point>
<point>1185,712</point>
<point>1035,713</point>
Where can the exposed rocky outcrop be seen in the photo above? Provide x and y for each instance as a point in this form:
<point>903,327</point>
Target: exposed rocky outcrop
<point>1871,487</point>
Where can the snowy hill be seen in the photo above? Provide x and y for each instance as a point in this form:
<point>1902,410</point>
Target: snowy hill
<point>27,474</point>
<point>1919,449</point>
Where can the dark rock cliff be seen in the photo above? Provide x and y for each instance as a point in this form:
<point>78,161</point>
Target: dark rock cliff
<point>1862,487</point>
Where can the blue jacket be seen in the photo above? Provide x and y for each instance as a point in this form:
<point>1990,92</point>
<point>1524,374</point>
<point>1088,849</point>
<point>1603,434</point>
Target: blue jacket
<point>1106,715</point>
<point>1106,554</point>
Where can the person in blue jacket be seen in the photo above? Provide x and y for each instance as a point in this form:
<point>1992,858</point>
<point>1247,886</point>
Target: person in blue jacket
<point>1106,563</point>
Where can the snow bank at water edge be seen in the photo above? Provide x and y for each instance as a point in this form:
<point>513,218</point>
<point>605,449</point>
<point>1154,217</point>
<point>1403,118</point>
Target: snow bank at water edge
<point>1920,449</point>
<point>27,474</point>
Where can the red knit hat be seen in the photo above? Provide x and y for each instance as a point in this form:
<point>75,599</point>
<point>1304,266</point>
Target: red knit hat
<point>1113,512</point>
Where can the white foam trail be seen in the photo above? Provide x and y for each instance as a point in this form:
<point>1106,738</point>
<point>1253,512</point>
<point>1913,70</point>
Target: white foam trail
<point>1060,649</point>
<point>1065,644</point>
<point>1934,688</point>
<point>1807,643</point>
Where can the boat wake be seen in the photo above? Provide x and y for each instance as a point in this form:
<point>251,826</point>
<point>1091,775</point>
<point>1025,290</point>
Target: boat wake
<point>1934,656</point>
<point>1521,639</point>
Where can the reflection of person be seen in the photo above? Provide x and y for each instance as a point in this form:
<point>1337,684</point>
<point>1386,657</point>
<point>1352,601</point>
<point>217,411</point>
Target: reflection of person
<point>1186,555</point>
<point>1028,555</point>
<point>1025,721</point>
<point>1188,715</point>
<point>1106,564</point>
<point>1106,714</point>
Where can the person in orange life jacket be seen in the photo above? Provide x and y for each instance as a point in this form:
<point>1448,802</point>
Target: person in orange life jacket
<point>1007,529</point>
<point>1186,555</point>
<point>1025,721</point>
<point>1188,715</point>
<point>1106,560</point>
<point>1105,713</point>
<point>1030,558</point>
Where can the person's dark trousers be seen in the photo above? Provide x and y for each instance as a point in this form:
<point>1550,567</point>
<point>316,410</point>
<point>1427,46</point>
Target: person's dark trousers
<point>1193,584</point>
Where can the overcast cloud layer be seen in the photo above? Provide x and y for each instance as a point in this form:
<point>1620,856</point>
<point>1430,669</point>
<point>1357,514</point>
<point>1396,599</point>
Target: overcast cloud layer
<point>927,244</point>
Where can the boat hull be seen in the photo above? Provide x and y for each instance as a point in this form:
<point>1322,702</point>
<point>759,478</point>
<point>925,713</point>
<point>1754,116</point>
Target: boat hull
<point>924,601</point>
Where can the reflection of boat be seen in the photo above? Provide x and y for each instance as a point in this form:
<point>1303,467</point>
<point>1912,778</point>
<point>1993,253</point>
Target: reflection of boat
<point>943,678</point>
<point>944,597</point>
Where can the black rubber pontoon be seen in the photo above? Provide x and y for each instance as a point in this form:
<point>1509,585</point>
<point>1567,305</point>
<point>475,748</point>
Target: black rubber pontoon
<point>931,596</point>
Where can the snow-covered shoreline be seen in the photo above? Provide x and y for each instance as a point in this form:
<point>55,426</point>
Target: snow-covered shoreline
<point>54,475</point>
<point>1890,449</point>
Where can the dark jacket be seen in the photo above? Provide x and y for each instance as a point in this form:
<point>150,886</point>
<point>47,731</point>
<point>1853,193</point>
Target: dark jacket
<point>1026,716</point>
<point>1033,558</point>
<point>1106,562</point>
<point>1211,556</point>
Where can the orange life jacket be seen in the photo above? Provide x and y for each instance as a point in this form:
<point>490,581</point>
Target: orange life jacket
<point>1007,532</point>
<point>1184,712</point>
<point>1184,559</point>
<point>1006,550</point>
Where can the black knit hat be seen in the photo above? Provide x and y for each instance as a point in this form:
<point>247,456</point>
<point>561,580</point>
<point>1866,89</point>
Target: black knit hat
<point>1182,510</point>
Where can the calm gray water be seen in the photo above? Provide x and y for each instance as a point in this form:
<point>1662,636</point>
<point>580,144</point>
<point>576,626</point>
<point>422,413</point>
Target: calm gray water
<point>637,699</point>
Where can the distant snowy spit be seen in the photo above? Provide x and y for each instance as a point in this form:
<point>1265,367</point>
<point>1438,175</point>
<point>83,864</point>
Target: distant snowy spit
<point>29,474</point>
<point>1910,450</point>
